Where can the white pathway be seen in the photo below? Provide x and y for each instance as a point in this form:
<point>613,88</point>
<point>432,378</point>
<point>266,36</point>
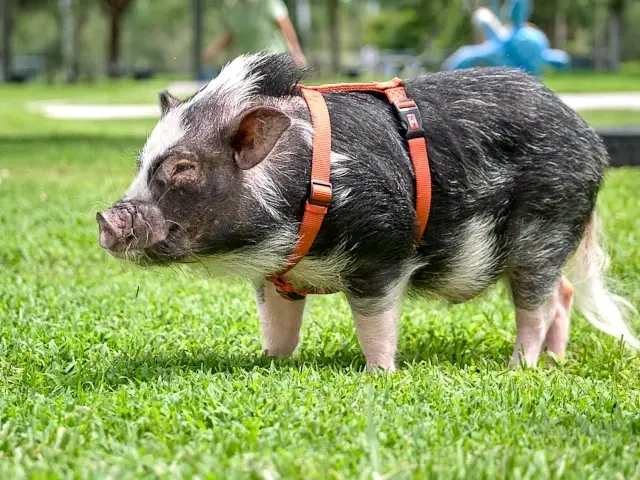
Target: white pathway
<point>62,110</point>
<point>603,101</point>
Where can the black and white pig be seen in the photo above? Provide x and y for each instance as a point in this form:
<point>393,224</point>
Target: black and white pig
<point>223,178</point>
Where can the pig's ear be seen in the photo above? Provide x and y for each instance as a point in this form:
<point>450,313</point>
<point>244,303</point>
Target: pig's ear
<point>167,102</point>
<point>256,134</point>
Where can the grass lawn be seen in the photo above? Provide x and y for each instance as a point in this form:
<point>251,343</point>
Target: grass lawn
<point>107,371</point>
<point>627,80</point>
<point>611,118</point>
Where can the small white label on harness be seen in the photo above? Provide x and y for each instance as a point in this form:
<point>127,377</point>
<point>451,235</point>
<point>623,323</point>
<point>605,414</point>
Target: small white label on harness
<point>413,123</point>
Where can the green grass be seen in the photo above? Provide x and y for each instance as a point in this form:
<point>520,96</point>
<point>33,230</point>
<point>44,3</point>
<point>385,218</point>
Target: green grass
<point>611,118</point>
<point>107,371</point>
<point>627,80</point>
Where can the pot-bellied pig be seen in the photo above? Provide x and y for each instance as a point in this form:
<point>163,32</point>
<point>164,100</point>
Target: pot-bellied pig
<point>224,177</point>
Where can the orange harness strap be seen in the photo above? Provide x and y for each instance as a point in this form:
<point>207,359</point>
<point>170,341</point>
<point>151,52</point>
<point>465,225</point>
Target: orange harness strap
<point>320,193</point>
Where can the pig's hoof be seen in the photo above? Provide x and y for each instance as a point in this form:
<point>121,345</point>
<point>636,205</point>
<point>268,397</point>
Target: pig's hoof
<point>275,353</point>
<point>522,363</point>
<point>375,369</point>
<point>552,360</point>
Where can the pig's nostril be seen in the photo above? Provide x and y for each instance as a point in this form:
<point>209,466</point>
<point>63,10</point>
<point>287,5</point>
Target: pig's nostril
<point>108,234</point>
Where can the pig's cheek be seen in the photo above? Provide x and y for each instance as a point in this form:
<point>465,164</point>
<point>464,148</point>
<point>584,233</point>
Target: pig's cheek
<point>158,234</point>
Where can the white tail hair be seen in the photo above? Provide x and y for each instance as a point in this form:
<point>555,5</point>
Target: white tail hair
<point>601,308</point>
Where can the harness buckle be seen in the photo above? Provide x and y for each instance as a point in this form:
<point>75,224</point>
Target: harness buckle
<point>285,290</point>
<point>320,194</point>
<point>410,117</point>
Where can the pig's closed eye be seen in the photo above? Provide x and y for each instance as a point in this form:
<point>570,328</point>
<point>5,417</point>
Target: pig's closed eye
<point>182,167</point>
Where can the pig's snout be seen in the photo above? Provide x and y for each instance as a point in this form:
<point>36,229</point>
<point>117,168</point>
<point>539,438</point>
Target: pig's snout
<point>130,227</point>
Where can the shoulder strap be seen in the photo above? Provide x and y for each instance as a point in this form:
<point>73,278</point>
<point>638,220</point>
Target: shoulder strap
<point>320,190</point>
<point>411,120</point>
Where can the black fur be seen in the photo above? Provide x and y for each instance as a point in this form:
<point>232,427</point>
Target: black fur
<point>280,75</point>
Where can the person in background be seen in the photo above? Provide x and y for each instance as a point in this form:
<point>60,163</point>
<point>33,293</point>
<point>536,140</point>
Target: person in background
<point>253,25</point>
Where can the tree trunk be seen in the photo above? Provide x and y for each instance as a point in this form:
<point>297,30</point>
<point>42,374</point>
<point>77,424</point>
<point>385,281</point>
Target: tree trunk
<point>560,31</point>
<point>198,15</point>
<point>334,34</point>
<point>7,23</point>
<point>303,26</point>
<point>115,29</point>
<point>81,18</point>
<point>614,41</point>
<point>67,28</point>
<point>116,10</point>
<point>600,18</point>
<point>615,34</point>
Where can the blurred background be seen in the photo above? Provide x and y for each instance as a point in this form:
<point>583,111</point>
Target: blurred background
<point>89,40</point>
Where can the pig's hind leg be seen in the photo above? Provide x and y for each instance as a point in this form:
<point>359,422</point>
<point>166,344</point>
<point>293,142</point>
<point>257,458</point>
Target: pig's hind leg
<point>546,325</point>
<point>542,300</point>
<point>558,334</point>
<point>280,320</point>
<point>542,296</point>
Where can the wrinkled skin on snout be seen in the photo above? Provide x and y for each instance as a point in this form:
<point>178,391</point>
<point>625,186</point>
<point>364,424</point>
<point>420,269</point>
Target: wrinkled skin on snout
<point>185,200</point>
<point>129,225</point>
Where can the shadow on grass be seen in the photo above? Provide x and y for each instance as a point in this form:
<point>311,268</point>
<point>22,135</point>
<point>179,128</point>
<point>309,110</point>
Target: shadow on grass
<point>145,367</point>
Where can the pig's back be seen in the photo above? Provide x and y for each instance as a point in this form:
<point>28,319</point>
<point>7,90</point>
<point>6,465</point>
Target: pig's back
<point>512,168</point>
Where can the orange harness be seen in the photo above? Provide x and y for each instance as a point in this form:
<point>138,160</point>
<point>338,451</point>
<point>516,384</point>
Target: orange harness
<point>321,190</point>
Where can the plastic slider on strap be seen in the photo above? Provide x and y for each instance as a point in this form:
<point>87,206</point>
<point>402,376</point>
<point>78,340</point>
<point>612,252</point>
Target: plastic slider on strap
<point>285,290</point>
<point>410,118</point>
<point>320,194</point>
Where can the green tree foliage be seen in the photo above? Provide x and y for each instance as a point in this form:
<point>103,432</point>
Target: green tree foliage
<point>411,24</point>
<point>395,30</point>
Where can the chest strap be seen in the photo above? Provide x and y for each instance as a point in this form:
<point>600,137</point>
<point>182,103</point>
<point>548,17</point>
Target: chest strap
<point>321,190</point>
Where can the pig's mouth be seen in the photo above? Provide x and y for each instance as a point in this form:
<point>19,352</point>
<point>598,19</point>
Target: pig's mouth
<point>168,251</point>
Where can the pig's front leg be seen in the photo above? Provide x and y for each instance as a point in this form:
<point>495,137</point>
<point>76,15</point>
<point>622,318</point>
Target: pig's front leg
<point>280,321</point>
<point>377,330</point>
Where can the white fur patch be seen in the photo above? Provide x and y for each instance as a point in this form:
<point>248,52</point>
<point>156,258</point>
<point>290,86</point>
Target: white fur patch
<point>263,187</point>
<point>236,83</point>
<point>340,166</point>
<point>256,263</point>
<point>471,271</point>
<point>304,129</point>
<point>325,273</point>
<point>166,134</point>
<point>393,296</point>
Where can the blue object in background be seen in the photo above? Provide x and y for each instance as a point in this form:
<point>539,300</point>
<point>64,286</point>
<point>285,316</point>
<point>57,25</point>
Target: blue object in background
<point>518,45</point>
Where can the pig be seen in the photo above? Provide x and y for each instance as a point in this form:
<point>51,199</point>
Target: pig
<point>223,178</point>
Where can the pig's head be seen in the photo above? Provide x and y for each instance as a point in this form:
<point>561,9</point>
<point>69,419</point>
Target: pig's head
<point>219,176</point>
